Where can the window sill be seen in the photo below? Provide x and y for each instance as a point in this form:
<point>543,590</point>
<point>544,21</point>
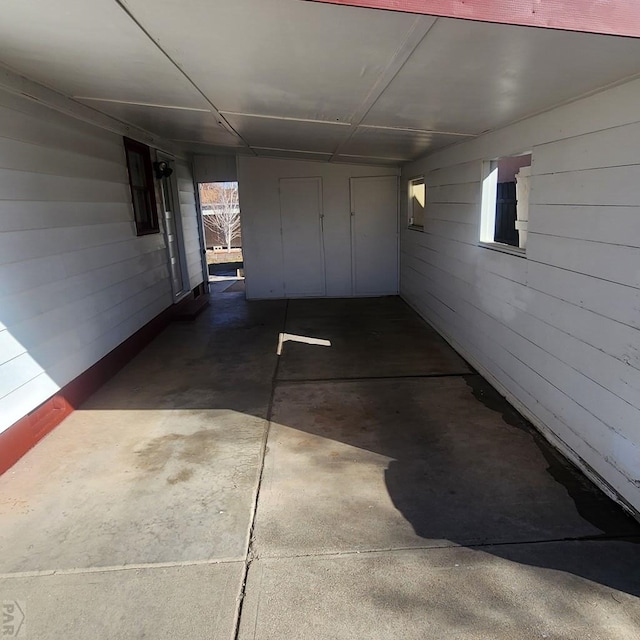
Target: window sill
<point>504,248</point>
<point>147,232</point>
<point>415,227</point>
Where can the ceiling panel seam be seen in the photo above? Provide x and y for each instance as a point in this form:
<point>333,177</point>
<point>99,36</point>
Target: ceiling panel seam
<point>355,155</point>
<point>213,144</point>
<point>417,33</point>
<point>414,130</point>
<point>286,118</point>
<point>141,104</point>
<point>317,153</point>
<point>219,117</point>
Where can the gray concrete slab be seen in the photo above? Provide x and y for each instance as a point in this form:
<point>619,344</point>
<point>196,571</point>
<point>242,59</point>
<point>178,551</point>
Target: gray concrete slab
<point>381,505</point>
<point>370,337</point>
<point>454,593</point>
<point>162,463</point>
<point>224,360</point>
<point>119,487</point>
<point>194,602</point>
<point>388,464</point>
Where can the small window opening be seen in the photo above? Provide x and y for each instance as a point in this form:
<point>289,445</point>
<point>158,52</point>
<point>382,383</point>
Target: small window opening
<point>142,187</point>
<point>417,202</point>
<point>505,201</point>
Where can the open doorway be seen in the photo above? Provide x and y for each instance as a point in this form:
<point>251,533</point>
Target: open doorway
<point>223,235</point>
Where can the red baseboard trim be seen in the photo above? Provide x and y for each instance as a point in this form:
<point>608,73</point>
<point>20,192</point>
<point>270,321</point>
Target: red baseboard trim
<point>28,431</point>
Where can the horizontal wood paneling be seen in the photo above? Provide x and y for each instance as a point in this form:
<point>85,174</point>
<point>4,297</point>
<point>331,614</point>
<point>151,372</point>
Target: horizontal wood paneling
<point>616,263</point>
<point>23,185</point>
<point>618,186</point>
<point>558,330</point>
<point>34,158</point>
<point>20,304</point>
<point>613,147</point>
<point>32,122</point>
<point>18,246</point>
<point>464,193</point>
<point>459,174</point>
<point>611,225</point>
<point>75,280</point>
<point>9,347</point>
<point>22,216</point>
<point>35,329</point>
<point>453,212</point>
<point>606,298</point>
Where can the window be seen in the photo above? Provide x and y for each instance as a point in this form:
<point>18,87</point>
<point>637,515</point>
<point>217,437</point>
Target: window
<point>143,194</point>
<point>505,203</point>
<point>417,202</point>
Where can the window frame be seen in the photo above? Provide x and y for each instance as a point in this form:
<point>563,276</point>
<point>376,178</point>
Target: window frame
<point>410,184</point>
<point>142,228</point>
<point>488,202</point>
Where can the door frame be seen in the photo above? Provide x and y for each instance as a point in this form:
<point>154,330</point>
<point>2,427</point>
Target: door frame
<point>172,182</point>
<point>201,233</point>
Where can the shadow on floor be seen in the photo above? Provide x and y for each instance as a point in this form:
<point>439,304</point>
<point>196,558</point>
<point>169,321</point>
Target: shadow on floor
<point>464,466</point>
<point>615,565</point>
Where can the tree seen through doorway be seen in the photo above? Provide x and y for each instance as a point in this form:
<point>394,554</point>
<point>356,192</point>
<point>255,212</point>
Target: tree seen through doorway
<point>221,212</point>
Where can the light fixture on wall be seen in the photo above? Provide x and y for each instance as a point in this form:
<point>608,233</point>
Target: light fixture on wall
<point>162,170</point>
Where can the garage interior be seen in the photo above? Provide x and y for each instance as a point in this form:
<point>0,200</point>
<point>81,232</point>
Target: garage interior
<point>408,426</point>
<point>377,487</point>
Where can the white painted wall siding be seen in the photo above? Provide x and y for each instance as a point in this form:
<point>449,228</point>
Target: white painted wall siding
<point>258,180</point>
<point>75,281</point>
<point>558,332</point>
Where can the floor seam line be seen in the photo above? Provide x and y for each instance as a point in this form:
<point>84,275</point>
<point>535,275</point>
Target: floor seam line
<point>263,454</point>
<point>116,568</point>
<point>365,378</point>
<point>479,545</point>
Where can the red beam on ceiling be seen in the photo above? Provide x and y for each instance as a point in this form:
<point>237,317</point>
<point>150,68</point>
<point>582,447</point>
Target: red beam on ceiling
<point>611,17</point>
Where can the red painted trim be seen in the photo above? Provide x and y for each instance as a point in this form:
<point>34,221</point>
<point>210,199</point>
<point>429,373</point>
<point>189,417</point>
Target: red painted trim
<point>612,17</point>
<point>27,432</point>
<point>24,434</point>
<point>78,390</point>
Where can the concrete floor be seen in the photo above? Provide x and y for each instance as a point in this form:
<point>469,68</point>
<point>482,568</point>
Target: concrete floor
<point>373,488</point>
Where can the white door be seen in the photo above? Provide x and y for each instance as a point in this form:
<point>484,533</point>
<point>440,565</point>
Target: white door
<point>302,245</point>
<point>374,235</point>
<point>173,231</point>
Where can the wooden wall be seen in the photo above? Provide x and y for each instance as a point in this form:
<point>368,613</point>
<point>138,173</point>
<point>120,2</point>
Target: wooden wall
<point>75,280</point>
<point>557,331</point>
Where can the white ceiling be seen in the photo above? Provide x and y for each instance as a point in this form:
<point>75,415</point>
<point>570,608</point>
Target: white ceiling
<point>472,77</point>
<point>301,79</point>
